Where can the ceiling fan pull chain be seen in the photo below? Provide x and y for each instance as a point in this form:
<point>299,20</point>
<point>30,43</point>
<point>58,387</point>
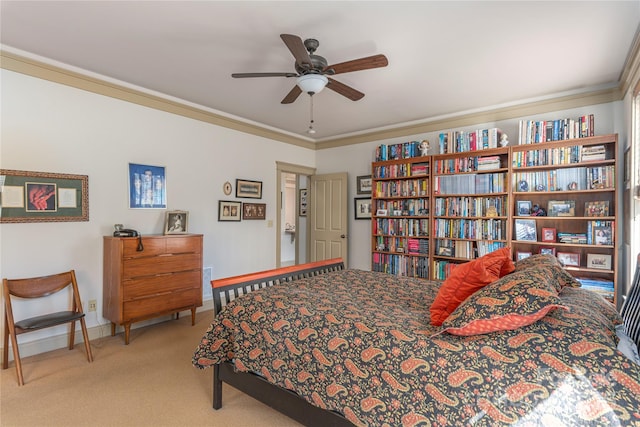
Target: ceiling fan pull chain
<point>311,129</point>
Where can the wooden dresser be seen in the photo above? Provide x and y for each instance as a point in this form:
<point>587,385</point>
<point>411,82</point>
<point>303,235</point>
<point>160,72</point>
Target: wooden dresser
<point>165,277</point>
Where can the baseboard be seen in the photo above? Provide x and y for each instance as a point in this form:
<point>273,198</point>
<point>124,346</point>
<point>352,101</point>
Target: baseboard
<point>43,345</point>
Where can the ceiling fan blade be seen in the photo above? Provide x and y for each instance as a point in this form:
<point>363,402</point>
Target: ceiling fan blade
<point>296,46</point>
<point>243,75</point>
<point>375,61</point>
<point>344,90</point>
<point>292,95</point>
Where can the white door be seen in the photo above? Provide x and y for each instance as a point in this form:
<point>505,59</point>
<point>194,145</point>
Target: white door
<point>328,217</point>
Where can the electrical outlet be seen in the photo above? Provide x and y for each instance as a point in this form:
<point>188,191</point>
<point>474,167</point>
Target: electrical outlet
<point>92,305</point>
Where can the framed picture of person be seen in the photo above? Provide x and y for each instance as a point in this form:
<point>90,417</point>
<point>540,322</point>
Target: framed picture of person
<point>176,222</point>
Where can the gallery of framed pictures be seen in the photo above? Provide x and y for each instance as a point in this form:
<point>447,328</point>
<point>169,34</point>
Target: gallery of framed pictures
<point>254,210</point>
<point>147,187</point>
<point>43,197</point>
<point>362,207</point>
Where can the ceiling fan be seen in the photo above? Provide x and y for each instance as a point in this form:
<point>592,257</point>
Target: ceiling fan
<point>312,70</point>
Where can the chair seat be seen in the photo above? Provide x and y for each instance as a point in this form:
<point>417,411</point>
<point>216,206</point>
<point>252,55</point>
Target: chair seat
<point>48,320</point>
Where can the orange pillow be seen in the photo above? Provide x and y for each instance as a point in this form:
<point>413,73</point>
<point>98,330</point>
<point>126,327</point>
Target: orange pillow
<point>466,279</point>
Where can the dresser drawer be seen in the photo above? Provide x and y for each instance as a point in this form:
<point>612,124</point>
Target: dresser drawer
<point>182,244</point>
<point>158,304</point>
<point>152,247</point>
<point>138,267</point>
<point>161,284</point>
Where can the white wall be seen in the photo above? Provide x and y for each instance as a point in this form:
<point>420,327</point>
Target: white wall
<point>48,127</point>
<point>356,160</point>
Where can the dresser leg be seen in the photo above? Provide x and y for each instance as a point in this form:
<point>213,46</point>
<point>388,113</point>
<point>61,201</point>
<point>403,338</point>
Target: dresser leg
<point>113,329</point>
<point>127,331</point>
<point>193,316</point>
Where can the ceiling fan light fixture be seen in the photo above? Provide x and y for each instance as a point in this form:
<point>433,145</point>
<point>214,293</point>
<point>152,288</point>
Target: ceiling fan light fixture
<point>312,83</point>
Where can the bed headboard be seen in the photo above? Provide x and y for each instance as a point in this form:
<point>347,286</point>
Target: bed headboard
<point>227,289</point>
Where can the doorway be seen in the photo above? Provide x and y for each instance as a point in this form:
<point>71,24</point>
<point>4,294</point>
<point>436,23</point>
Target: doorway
<point>291,220</point>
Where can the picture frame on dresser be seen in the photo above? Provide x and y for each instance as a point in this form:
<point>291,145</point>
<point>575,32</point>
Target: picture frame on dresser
<point>176,222</point>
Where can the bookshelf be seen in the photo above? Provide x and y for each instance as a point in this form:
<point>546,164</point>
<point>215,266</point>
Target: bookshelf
<point>401,191</point>
<point>470,206</point>
<point>571,182</point>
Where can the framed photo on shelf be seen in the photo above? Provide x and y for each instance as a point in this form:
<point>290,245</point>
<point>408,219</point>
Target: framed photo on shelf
<point>229,210</point>
<point>599,261</point>
<point>362,207</point>
<point>548,234</point>
<point>569,259</point>
<point>561,208</point>
<point>364,184</point>
<point>382,212</point>
<point>524,207</point>
<point>254,210</point>
<point>248,189</point>
<point>303,202</point>
<point>176,222</point>
<point>520,255</point>
<point>602,235</point>
<point>526,230</point>
<point>445,251</point>
<point>548,251</point>
<point>596,208</point>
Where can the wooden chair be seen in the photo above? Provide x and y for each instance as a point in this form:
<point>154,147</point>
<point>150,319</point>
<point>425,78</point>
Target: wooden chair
<point>630,310</point>
<point>40,287</point>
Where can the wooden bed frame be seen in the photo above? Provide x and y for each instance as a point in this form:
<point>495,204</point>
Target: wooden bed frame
<point>280,399</point>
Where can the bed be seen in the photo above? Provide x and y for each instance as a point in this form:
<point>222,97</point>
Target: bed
<point>333,346</point>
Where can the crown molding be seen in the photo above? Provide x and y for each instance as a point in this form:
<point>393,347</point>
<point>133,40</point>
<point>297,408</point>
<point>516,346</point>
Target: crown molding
<point>39,69</point>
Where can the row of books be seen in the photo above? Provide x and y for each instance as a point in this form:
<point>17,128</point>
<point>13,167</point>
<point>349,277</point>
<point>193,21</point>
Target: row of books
<point>403,207</point>
<point>401,227</point>
<point>573,238</point>
<point>469,184</point>
<point>462,141</point>
<point>536,131</point>
<point>401,170</point>
<point>558,156</point>
<point>405,150</point>
<point>463,228</point>
<point>466,164</point>
<point>600,232</point>
<point>601,177</point>
<point>551,180</point>
<point>401,265</point>
<point>469,206</point>
<point>402,188</point>
<point>442,269</point>
<point>411,246</point>
<point>601,286</point>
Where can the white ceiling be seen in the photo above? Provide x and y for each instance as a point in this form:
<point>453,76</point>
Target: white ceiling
<point>444,57</point>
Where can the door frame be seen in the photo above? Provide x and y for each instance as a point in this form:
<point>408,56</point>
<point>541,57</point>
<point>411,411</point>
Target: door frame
<point>281,168</point>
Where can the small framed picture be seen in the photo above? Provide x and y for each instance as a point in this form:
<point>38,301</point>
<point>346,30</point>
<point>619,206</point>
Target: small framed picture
<point>229,210</point>
<point>176,222</point>
<point>248,189</point>
<point>303,202</point>
<point>444,251</point>
<point>548,234</point>
<point>596,208</point>
<point>548,251</point>
<point>599,261</point>
<point>526,230</point>
<point>569,259</point>
<point>254,210</point>
<point>364,184</point>
<point>524,207</point>
<point>382,212</point>
<point>522,255</point>
<point>561,208</point>
<point>362,207</point>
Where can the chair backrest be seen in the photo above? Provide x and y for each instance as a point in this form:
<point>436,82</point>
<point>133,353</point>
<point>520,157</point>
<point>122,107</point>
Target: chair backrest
<point>630,311</point>
<point>37,287</point>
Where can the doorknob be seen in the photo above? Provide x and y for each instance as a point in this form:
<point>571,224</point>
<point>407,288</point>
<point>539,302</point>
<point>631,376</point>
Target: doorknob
<point>342,236</point>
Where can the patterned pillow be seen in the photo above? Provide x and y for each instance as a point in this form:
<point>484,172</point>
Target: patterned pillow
<point>552,266</point>
<point>516,300</point>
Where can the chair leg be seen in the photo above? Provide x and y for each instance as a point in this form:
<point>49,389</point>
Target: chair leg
<point>72,335</point>
<point>87,345</point>
<point>5,349</point>
<point>16,358</point>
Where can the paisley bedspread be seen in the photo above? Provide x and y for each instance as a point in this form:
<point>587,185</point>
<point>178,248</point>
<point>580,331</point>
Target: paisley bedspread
<point>360,343</point>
